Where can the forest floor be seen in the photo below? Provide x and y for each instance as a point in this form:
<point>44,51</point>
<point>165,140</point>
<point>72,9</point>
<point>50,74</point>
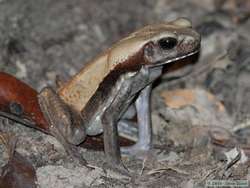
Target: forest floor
<point>200,112</point>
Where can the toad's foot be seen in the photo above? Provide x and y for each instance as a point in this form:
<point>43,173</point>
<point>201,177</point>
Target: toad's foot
<point>138,150</point>
<point>70,149</point>
<point>118,168</point>
<point>129,130</point>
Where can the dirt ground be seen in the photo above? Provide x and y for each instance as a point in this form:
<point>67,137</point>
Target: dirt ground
<point>201,112</point>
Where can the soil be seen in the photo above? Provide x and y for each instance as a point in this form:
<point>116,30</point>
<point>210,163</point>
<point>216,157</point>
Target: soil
<point>194,142</point>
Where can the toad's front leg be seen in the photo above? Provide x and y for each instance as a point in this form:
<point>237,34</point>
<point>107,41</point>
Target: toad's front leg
<point>64,123</point>
<point>144,121</point>
<point>110,120</point>
<point>144,124</point>
<point>127,86</point>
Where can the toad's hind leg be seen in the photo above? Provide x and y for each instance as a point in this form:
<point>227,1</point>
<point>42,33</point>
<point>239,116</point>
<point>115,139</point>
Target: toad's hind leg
<point>64,124</point>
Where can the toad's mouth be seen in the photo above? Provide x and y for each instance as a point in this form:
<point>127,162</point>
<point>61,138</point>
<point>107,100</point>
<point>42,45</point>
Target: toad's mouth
<point>166,61</point>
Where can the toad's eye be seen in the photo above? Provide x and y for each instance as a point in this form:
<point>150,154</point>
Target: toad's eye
<point>167,43</point>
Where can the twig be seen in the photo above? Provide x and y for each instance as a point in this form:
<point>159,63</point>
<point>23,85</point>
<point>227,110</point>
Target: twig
<point>143,166</point>
<point>158,170</point>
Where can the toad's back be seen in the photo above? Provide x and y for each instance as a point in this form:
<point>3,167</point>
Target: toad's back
<point>79,90</point>
<point>84,84</point>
